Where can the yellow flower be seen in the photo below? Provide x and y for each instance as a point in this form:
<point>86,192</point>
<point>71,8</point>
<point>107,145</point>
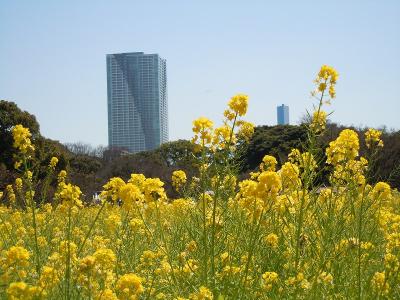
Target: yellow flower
<point>147,257</point>
<point>105,258</point>
<point>268,280</point>
<point>22,140</point>
<point>269,184</point>
<point>190,267</point>
<point>382,191</point>
<point>224,257</point>
<point>178,179</point>
<point>136,224</point>
<point>327,76</point>
<point>229,115</point>
<point>18,256</point>
<point>268,163</point>
<point>17,164</point>
<point>129,286</point>
<point>153,189</point>
<point>20,290</point>
<point>28,175</point>
<point>61,176</point>
<point>223,137</point>
<point>48,278</point>
<point>392,264</point>
<point>191,246</point>
<point>373,138</point>
<point>318,122</point>
<point>379,283</point>
<point>344,148</point>
<point>107,294</point>
<point>290,175</point>
<point>10,193</point>
<point>325,278</point>
<point>53,162</point>
<point>203,294</point>
<point>112,222</point>
<point>137,179</point>
<point>86,264</point>
<point>303,160</point>
<point>68,249</point>
<point>42,242</point>
<point>271,240</point>
<point>202,128</point>
<point>239,103</point>
<point>246,130</point>
<point>18,184</point>
<point>112,189</point>
<point>130,194</point>
<point>69,194</point>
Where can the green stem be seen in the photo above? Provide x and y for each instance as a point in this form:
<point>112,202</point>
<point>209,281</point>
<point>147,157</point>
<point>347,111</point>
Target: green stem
<point>34,225</point>
<point>68,260</point>
<point>360,228</point>
<point>205,257</point>
<point>299,229</point>
<point>91,227</point>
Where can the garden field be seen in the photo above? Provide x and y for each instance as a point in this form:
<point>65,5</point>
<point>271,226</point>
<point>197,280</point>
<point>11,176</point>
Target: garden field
<point>281,233</point>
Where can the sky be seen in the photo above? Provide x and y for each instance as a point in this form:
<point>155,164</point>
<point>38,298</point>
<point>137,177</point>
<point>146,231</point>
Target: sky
<point>53,59</point>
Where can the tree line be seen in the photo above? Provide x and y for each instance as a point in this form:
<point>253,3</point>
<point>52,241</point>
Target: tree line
<point>90,167</point>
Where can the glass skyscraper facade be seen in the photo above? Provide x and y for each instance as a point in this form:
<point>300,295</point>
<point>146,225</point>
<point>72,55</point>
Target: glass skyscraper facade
<point>283,114</point>
<point>137,101</point>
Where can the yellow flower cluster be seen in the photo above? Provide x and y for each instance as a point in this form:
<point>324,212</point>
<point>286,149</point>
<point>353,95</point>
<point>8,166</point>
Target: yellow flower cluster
<point>344,148</point>
<point>178,179</point>
<point>379,283</point>
<point>238,104</point>
<point>318,121</point>
<point>269,279</point>
<point>53,163</point>
<point>203,294</point>
<point>202,127</point>
<point>326,79</point>
<point>226,136</point>
<point>373,138</point>
<point>268,163</point>
<point>129,286</point>
<point>68,194</point>
<point>22,139</point>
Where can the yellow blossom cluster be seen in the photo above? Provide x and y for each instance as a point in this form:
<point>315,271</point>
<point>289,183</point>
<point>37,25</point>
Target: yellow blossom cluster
<point>326,80</point>
<point>373,138</point>
<point>318,122</point>
<point>22,139</point>
<point>344,148</point>
<point>227,135</point>
<point>178,179</point>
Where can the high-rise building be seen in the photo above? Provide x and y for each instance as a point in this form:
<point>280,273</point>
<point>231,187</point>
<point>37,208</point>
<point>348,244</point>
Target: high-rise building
<point>283,114</point>
<point>137,101</point>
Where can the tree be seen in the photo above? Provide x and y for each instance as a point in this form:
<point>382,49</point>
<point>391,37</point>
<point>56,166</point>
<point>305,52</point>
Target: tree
<point>273,140</point>
<point>11,115</point>
<point>178,154</point>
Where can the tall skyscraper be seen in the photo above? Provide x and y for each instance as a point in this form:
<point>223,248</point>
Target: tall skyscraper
<point>283,114</point>
<point>137,101</point>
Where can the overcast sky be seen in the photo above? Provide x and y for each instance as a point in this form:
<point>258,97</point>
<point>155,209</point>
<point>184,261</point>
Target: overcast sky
<point>53,58</point>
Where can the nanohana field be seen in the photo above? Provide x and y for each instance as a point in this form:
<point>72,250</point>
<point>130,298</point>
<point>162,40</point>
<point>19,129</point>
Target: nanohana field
<point>279,234</point>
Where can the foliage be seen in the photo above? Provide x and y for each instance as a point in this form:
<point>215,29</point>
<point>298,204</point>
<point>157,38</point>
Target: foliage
<point>274,140</point>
